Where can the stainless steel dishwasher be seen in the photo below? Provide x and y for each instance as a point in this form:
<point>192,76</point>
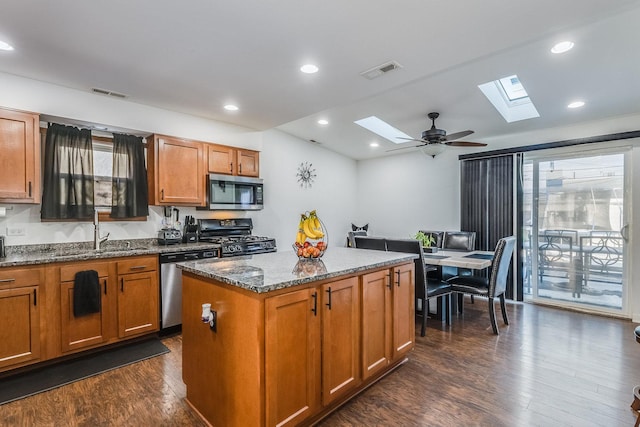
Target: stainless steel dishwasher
<point>171,285</point>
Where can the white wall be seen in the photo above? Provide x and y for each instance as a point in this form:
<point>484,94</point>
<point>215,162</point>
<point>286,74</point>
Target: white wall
<point>332,193</point>
<point>401,194</point>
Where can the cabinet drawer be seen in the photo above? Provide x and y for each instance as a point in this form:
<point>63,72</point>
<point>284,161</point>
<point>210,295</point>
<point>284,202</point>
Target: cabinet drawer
<point>68,272</point>
<point>16,278</point>
<point>138,265</point>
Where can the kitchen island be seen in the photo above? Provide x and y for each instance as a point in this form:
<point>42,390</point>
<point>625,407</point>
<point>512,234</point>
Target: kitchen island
<point>293,340</point>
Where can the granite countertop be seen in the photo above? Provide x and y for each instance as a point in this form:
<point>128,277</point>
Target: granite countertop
<point>279,270</point>
<point>81,251</point>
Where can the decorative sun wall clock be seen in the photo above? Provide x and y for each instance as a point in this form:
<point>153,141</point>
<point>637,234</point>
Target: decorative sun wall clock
<point>306,174</point>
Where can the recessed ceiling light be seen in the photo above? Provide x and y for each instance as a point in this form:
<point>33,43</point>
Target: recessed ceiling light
<point>323,122</point>
<point>374,144</point>
<point>5,46</point>
<point>562,47</point>
<point>576,104</point>
<point>309,69</point>
<point>231,107</point>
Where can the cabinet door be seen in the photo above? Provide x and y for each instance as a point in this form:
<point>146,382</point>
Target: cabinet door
<point>221,159</point>
<point>292,357</point>
<point>376,322</point>
<point>20,160</point>
<point>84,331</point>
<point>138,296</point>
<point>179,172</point>
<point>20,320</point>
<point>403,309</point>
<point>340,338</point>
<point>248,163</point>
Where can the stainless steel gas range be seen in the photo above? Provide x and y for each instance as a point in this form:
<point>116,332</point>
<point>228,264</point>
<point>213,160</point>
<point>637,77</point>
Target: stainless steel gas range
<point>234,237</point>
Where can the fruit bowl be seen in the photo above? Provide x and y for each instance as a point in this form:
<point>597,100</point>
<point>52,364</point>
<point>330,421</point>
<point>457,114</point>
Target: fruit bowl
<point>312,239</point>
<point>312,250</point>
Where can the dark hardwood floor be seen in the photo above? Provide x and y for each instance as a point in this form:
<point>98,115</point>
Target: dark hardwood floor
<point>549,367</point>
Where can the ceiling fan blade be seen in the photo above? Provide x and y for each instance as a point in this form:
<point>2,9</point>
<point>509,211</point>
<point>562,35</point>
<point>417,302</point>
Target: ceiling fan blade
<point>404,148</point>
<point>465,144</point>
<point>410,139</point>
<point>458,135</point>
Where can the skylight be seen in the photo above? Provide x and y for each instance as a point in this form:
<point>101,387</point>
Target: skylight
<point>512,88</point>
<point>510,98</point>
<point>383,129</point>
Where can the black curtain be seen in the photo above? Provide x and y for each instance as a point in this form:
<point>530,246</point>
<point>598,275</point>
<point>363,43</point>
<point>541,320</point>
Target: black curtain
<point>68,174</point>
<point>129,185</point>
<point>487,201</point>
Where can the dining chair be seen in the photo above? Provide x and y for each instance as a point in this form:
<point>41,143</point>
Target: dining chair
<point>459,240</point>
<point>426,287</point>
<point>375,243</point>
<point>351,235</point>
<point>495,285</point>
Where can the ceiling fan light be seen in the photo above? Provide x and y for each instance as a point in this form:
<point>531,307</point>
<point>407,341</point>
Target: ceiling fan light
<point>433,149</point>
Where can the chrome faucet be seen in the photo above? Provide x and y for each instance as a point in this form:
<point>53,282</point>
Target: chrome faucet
<point>96,232</point>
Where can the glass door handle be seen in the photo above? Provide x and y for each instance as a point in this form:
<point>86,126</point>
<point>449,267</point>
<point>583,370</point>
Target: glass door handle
<point>624,232</point>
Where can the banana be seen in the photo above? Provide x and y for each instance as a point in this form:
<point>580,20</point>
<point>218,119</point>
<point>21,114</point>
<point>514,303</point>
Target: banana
<point>301,236</point>
<point>308,229</point>
<point>316,225</point>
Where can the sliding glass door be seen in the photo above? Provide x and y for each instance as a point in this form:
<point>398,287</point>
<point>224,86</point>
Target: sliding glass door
<point>574,229</point>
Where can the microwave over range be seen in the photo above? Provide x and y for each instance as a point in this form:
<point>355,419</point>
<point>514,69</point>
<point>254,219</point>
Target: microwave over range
<point>228,192</point>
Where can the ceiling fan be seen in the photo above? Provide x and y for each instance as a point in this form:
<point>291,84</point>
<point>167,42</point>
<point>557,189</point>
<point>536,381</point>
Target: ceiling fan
<point>434,140</point>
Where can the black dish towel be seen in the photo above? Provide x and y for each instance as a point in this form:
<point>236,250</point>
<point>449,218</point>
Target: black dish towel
<point>86,293</point>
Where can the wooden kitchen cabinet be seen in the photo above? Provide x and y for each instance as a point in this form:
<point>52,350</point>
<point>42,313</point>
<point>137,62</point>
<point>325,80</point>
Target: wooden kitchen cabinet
<point>20,313</point>
<point>176,171</point>
<point>376,322</point>
<point>340,338</point>
<point>292,357</point>
<point>20,160</point>
<point>91,330</point>
<point>403,284</point>
<point>297,352</point>
<point>138,296</point>
<point>233,161</point>
<point>319,357</point>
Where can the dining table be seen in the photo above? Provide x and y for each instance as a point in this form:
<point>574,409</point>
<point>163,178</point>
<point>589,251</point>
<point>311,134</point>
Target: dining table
<point>472,260</point>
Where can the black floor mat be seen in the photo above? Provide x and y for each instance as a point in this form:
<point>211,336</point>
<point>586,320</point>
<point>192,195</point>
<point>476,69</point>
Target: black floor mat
<point>47,378</point>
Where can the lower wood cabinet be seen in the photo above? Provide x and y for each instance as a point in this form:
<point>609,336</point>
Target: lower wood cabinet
<point>317,361</point>
<point>404,327</point>
<point>377,322</point>
<point>20,315</point>
<point>138,296</point>
<point>90,330</point>
<point>314,347</point>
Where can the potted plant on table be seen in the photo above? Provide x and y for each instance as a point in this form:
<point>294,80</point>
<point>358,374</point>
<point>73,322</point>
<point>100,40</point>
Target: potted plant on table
<point>427,241</point>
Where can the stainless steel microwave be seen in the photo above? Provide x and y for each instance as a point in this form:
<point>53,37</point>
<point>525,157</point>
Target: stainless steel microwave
<point>229,192</point>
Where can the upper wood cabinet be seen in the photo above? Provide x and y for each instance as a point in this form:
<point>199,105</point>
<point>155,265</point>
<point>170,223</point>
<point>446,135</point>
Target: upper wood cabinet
<point>233,161</point>
<point>20,160</point>
<point>176,171</point>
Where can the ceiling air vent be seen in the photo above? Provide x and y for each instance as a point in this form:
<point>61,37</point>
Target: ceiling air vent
<point>108,92</point>
<point>379,70</point>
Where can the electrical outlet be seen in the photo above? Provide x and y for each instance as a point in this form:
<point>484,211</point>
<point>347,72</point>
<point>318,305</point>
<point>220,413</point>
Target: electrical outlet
<point>16,231</point>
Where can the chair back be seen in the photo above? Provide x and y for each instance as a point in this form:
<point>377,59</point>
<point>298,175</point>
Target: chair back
<point>351,243</point>
<point>412,246</point>
<point>375,243</point>
<point>459,240</point>
<point>500,267</point>
<point>436,236</point>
